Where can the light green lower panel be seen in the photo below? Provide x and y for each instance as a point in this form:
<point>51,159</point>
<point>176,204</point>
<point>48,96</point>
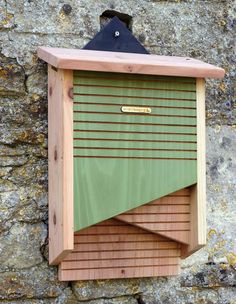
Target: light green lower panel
<point>104,188</point>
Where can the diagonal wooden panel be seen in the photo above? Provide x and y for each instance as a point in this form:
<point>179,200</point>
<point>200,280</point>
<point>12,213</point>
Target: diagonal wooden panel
<point>168,216</point>
<point>114,249</point>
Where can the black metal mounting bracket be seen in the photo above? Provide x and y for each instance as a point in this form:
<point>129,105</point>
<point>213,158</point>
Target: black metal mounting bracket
<point>115,37</point>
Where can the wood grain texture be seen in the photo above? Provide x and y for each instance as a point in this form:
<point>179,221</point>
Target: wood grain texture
<point>198,192</point>
<point>114,249</point>
<point>60,146</point>
<point>127,63</point>
<point>168,216</point>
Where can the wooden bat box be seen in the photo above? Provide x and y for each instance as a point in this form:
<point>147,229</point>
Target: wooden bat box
<point>126,162</point>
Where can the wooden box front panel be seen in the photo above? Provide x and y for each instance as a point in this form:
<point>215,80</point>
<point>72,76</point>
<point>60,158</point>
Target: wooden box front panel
<point>125,160</point>
<point>113,249</point>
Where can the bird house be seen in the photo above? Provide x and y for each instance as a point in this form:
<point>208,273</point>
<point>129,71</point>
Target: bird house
<point>126,162</point>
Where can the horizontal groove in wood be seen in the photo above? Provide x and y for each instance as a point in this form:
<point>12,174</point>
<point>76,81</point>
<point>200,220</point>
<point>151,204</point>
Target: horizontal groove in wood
<point>153,103</point>
<point>182,199</point>
<point>156,217</point>
<point>161,209</point>
<point>131,87</point>
<point>109,230</point>
<point>96,89</point>
<point>131,123</point>
<point>125,246</point>
<point>117,110</point>
<point>166,230</point>
<point>134,97</point>
<point>139,254</point>
<point>133,132</point>
<point>162,226</point>
<point>103,243</point>
<point>135,114</point>
<point>118,273</point>
<point>179,196</point>
<point>174,198</point>
<point>91,238</point>
<point>117,267</point>
<point>156,222</point>
<point>133,149</point>
<point>133,105</point>
<point>127,89</point>
<point>135,140</point>
<point>105,251</point>
<point>118,263</point>
<point>78,77</point>
<point>120,258</point>
<point>180,193</point>
<point>155,213</point>
<point>142,253</point>
<point>170,204</point>
<point>132,157</point>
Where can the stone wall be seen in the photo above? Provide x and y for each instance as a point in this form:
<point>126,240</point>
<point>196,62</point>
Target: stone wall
<point>196,28</point>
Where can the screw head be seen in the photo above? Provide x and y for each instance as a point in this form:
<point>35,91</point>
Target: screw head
<point>116,34</point>
<point>67,8</point>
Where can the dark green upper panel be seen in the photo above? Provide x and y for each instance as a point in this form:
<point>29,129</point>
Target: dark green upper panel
<point>124,160</point>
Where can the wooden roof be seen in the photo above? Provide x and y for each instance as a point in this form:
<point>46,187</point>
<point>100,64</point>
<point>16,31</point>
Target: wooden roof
<point>74,59</point>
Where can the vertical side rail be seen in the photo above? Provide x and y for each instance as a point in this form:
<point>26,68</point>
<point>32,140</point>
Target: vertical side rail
<point>200,239</point>
<point>60,155</point>
<point>198,192</point>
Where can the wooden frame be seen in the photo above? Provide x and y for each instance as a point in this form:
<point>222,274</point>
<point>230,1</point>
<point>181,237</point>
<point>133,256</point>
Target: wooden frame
<point>60,155</point>
<point>63,242</point>
<point>198,198</point>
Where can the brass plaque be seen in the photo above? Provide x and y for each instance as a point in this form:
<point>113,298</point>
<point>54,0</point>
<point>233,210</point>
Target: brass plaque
<point>145,110</point>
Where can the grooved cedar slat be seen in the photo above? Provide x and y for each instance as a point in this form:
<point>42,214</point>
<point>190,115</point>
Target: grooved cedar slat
<point>137,123</point>
<point>130,87</point>
<point>156,120</point>
<point>155,217</point>
<point>168,216</point>
<point>126,246</point>
<point>129,254</point>
<point>142,237</point>
<point>160,209</point>
<point>79,103</point>
<point>134,114</point>
<point>137,132</point>
<point>182,192</point>
<point>154,103</point>
<point>112,273</point>
<point>119,263</point>
<point>132,157</point>
<point>150,81</point>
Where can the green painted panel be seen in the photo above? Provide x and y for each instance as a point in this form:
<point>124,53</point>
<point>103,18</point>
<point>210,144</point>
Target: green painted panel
<point>107,187</point>
<point>89,125</point>
<point>109,91</point>
<point>132,79</point>
<point>137,86</point>
<point>119,117</point>
<point>117,109</point>
<point>134,153</point>
<point>124,160</point>
<point>140,101</point>
<point>134,144</point>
